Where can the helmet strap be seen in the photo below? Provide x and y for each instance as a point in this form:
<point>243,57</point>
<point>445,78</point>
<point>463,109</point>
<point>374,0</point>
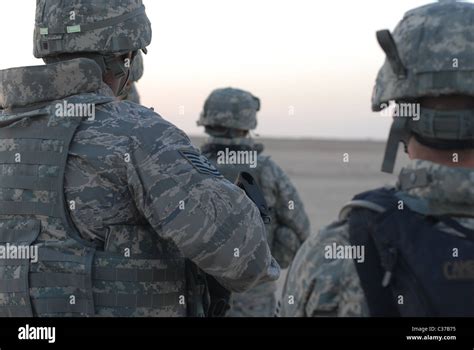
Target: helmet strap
<point>398,133</point>
<point>387,43</point>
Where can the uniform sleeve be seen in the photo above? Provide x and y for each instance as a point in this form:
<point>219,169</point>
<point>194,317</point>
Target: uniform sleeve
<point>185,199</point>
<point>321,287</point>
<point>292,220</point>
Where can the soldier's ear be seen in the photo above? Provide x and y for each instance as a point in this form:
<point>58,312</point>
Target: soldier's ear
<point>258,103</point>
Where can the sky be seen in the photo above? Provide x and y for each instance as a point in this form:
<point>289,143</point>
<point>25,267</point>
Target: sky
<point>312,63</point>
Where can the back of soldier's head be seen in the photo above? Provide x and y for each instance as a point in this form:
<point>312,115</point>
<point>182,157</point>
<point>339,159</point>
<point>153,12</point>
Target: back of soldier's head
<point>429,55</point>
<point>88,26</point>
<point>230,111</point>
<point>109,35</point>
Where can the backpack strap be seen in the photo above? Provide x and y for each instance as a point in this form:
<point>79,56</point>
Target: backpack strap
<point>359,204</point>
<point>375,272</point>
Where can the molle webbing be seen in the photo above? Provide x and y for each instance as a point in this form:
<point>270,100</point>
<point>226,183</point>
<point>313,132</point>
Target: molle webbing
<point>18,228</point>
<point>15,290</point>
<point>24,156</point>
<point>70,277</point>
<point>91,294</point>
<point>153,285</point>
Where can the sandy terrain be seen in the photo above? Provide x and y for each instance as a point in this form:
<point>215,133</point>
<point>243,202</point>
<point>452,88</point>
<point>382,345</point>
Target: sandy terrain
<point>324,181</point>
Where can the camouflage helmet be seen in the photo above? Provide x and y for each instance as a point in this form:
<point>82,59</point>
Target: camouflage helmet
<point>230,108</point>
<point>430,53</point>
<point>137,68</point>
<point>90,26</point>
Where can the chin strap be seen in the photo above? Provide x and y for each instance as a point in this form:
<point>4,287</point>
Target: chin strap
<point>398,133</point>
<point>120,72</point>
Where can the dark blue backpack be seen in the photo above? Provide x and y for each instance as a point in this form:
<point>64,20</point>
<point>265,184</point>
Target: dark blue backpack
<point>411,267</point>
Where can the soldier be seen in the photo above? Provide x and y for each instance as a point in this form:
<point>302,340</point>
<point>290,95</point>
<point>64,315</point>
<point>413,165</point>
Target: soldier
<point>135,75</point>
<point>228,116</point>
<point>124,213</point>
<point>407,250</point>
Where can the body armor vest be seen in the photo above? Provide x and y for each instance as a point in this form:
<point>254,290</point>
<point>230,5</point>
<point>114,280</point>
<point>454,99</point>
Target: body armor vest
<point>409,268</point>
<point>72,277</point>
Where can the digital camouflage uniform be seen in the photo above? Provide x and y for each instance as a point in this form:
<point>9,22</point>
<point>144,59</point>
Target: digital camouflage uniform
<point>289,225</point>
<point>140,207</point>
<point>421,59</point>
<point>322,287</point>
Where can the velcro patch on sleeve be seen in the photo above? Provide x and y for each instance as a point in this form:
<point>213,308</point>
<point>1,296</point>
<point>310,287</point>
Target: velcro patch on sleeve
<point>200,163</point>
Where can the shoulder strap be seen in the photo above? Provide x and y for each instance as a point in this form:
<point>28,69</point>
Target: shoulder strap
<point>359,204</point>
<point>362,215</point>
<point>379,201</point>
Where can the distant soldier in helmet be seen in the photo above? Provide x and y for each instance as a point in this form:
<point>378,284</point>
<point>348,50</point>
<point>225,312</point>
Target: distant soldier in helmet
<point>228,116</point>
<point>125,214</point>
<point>135,75</point>
<point>407,250</point>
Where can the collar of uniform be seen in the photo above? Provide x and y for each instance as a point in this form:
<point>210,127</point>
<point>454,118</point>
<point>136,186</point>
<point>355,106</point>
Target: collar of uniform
<point>433,189</point>
<point>243,142</point>
<point>238,141</point>
<point>24,86</point>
